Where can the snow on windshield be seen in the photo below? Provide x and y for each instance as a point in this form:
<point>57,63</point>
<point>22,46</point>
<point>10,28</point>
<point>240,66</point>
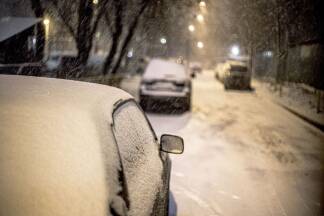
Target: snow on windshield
<point>140,156</point>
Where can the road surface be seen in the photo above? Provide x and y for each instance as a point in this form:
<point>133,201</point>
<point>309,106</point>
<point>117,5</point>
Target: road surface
<point>244,155</point>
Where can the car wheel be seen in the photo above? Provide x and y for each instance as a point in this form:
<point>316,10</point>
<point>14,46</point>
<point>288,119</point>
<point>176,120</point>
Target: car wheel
<point>226,87</point>
<point>143,103</point>
<point>187,106</point>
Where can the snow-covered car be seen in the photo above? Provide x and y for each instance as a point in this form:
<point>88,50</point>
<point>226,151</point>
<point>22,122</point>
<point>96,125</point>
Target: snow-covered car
<point>236,74</point>
<point>71,148</point>
<point>195,67</point>
<point>165,83</point>
<point>55,60</point>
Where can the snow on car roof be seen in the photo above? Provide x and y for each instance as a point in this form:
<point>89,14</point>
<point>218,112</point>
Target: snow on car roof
<point>159,69</point>
<point>237,63</point>
<point>58,155</point>
<point>68,94</point>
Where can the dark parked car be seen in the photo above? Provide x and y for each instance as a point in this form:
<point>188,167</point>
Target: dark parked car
<point>71,148</point>
<point>236,74</point>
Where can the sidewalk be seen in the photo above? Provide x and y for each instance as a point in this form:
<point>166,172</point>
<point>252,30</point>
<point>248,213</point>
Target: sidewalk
<point>294,99</point>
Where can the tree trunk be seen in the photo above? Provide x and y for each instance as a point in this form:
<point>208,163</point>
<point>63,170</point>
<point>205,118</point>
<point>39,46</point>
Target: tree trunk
<point>116,35</point>
<point>84,33</point>
<point>129,37</point>
<point>39,13</point>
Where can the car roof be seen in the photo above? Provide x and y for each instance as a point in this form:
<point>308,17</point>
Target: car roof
<point>57,146</point>
<point>237,63</point>
<point>51,92</point>
<point>159,69</point>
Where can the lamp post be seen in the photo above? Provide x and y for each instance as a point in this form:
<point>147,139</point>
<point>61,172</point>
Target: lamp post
<point>200,44</point>
<point>200,18</point>
<point>202,4</point>
<point>191,28</point>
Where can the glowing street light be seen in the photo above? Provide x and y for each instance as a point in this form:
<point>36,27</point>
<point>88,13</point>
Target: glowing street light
<point>235,50</point>
<point>200,18</point>
<point>191,28</point>
<point>163,41</point>
<point>202,4</point>
<point>46,22</point>
<point>95,2</point>
<point>130,54</point>
<point>200,44</point>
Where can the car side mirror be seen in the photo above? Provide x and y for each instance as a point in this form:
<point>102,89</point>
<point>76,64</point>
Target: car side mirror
<point>171,144</point>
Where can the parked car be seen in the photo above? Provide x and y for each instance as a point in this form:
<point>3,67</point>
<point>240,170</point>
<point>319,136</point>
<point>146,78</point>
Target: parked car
<point>165,82</point>
<point>54,61</point>
<point>71,147</point>
<point>27,69</point>
<point>195,67</point>
<point>61,64</point>
<point>235,74</point>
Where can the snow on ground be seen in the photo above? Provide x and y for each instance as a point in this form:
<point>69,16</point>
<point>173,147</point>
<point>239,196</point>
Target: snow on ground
<point>297,98</point>
<point>244,155</point>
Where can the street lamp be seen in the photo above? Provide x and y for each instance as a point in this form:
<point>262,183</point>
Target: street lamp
<point>191,28</point>
<point>130,53</point>
<point>200,44</point>
<point>200,18</point>
<point>202,4</point>
<point>46,23</point>
<point>235,50</point>
<point>95,2</point>
<point>163,41</point>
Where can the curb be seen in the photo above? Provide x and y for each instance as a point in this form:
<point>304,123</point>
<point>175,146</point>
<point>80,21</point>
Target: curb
<point>316,124</point>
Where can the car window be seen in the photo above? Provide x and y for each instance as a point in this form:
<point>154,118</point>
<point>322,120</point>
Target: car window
<point>140,156</point>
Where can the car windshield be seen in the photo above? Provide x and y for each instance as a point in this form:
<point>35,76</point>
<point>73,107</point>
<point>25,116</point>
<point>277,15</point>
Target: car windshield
<point>241,81</point>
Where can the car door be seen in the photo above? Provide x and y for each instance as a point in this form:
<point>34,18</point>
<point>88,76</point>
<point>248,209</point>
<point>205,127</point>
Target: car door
<point>140,155</point>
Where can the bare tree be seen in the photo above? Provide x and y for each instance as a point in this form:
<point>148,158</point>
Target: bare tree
<point>114,21</point>
<point>122,30</point>
<point>129,35</point>
<point>81,18</point>
<point>39,13</point>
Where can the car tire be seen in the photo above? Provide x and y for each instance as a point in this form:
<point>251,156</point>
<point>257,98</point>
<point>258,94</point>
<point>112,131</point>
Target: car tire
<point>187,106</point>
<point>142,103</point>
<point>226,87</point>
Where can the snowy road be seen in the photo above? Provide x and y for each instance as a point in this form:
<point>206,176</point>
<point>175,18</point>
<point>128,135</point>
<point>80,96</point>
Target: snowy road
<point>244,155</point>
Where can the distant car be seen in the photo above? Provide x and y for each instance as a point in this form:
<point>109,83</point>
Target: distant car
<point>61,64</point>
<point>53,62</point>
<point>195,67</point>
<point>71,148</point>
<point>165,84</point>
<point>236,74</point>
